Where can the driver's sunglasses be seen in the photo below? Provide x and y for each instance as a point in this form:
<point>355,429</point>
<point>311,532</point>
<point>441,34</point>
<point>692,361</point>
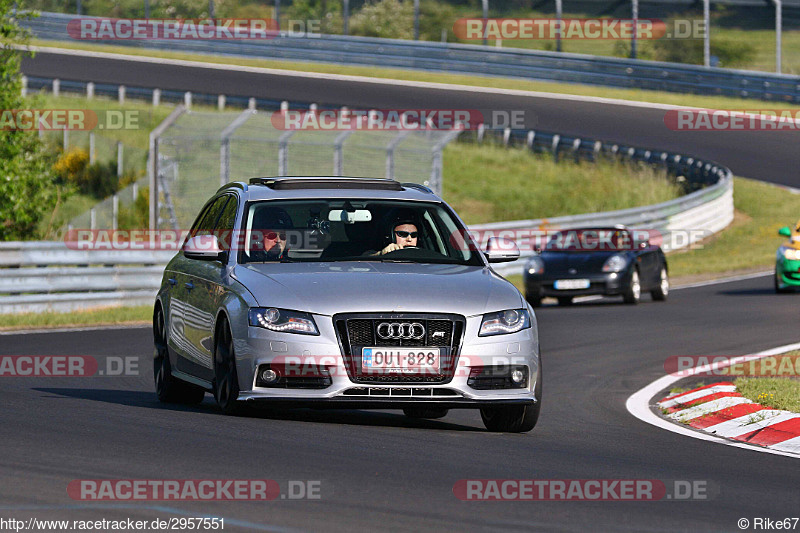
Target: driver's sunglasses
<point>406,234</point>
<point>274,236</point>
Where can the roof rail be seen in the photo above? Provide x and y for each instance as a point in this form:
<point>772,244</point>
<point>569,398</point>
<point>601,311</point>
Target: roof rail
<point>418,186</point>
<point>235,184</point>
<point>321,182</point>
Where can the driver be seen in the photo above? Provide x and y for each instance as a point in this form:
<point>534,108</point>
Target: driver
<point>404,234</point>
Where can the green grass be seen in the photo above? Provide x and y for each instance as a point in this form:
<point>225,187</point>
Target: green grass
<point>716,102</point>
<point>489,183</point>
<point>96,317</point>
<point>751,241</point>
<point>778,393</point>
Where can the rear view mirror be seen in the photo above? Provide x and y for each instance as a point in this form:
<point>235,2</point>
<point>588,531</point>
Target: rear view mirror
<point>350,217</point>
<point>785,232</point>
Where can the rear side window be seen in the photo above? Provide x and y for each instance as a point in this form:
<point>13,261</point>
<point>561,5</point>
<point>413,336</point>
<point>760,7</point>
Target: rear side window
<point>207,223</point>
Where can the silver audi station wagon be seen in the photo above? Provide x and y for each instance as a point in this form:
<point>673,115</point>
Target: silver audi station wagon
<point>344,292</point>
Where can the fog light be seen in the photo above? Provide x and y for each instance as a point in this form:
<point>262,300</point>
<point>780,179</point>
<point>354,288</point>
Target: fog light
<point>269,376</point>
<point>517,376</point>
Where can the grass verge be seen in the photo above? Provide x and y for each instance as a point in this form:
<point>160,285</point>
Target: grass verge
<point>777,393</point>
<point>94,317</point>
<point>715,102</point>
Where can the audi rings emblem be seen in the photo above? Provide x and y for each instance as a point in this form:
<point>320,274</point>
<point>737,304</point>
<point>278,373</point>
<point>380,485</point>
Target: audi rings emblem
<point>401,330</point>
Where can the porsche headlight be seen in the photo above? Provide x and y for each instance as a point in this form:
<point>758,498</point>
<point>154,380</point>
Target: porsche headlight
<point>615,263</point>
<point>283,320</point>
<point>503,322</point>
<point>535,265</point>
<point>791,254</point>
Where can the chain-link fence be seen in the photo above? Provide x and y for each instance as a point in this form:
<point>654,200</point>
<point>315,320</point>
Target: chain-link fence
<point>200,151</point>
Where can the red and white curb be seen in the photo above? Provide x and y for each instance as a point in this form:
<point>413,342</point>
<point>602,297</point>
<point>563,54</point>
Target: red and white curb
<point>720,410</point>
<point>714,407</point>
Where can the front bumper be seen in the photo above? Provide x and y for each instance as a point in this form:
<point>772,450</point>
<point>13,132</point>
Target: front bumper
<point>323,354</point>
<point>788,271</point>
<point>606,283</point>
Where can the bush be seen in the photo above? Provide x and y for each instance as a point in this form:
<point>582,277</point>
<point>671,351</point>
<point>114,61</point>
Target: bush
<point>99,179</point>
<point>391,19</point>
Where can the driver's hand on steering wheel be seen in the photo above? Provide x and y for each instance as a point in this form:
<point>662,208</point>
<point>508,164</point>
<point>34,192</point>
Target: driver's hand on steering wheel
<point>391,248</point>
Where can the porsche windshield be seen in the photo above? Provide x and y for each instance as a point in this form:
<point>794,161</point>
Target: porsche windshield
<point>353,230</point>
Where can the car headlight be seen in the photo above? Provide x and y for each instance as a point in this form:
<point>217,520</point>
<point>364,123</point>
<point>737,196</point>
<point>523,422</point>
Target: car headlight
<point>510,321</point>
<point>535,265</point>
<point>283,320</point>
<point>615,263</point>
<point>790,253</point>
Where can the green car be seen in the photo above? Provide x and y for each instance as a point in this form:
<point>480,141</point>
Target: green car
<point>787,261</point>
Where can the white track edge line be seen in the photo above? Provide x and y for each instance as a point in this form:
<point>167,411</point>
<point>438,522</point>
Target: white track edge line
<point>638,405</point>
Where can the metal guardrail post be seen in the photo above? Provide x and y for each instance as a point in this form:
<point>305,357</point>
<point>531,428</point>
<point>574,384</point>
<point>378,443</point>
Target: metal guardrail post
<point>221,102</point>
<point>554,146</point>
<point>121,94</point>
<point>187,99</point>
<point>90,90</point>
<point>152,162</point>
<point>156,97</point>
<point>56,87</point>
<point>92,153</point>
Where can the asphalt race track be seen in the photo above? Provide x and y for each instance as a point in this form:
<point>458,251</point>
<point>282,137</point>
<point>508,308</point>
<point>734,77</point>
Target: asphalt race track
<point>762,155</point>
<point>382,471</point>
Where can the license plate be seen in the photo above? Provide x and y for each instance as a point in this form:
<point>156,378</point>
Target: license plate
<point>571,284</point>
<point>405,360</point>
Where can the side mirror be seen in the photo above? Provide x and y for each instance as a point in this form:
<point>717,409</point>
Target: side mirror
<point>500,250</point>
<point>204,248</point>
<point>785,232</point>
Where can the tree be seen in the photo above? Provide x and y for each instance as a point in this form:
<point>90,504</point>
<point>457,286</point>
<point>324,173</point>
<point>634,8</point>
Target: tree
<point>27,189</point>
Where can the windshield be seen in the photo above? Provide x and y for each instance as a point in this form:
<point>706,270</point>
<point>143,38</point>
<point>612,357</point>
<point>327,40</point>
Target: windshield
<point>590,240</point>
<point>353,230</point>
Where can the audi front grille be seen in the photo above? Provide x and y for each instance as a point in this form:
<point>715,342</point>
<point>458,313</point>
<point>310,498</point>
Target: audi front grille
<point>355,331</point>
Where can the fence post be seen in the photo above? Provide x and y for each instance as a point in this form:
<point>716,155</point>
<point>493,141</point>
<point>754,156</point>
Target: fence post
<point>283,153</point>
<point>531,139</point>
<point>121,94</point>
<point>92,219</point>
<point>187,99</point>
<point>225,145</point>
<point>56,87</point>
<point>506,136</point>
<point>481,132</point>
<point>221,102</point>
<point>152,162</point>
<point>120,160</point>
<point>90,90</point>
<point>156,97</point>
<point>338,146</point>
<point>24,82</point>
<point>251,104</point>
<point>92,156</point>
<point>65,145</point>
<point>115,212</point>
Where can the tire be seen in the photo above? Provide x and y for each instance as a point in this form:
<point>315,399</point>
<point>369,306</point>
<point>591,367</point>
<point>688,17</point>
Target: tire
<point>779,288</point>
<point>565,300</point>
<point>633,292</point>
<point>425,412</point>
<point>226,379</point>
<point>662,291</point>
<point>514,418</point>
<point>169,389</point>
<point>535,301</point>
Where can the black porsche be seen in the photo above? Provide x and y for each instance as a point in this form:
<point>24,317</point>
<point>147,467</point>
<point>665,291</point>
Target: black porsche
<point>611,261</point>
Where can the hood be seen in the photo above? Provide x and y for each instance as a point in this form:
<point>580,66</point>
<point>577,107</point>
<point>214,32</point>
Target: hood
<point>352,287</point>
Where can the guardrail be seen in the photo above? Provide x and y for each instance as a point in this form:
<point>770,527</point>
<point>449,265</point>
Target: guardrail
<point>682,221</point>
<point>474,59</point>
<point>49,276</point>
